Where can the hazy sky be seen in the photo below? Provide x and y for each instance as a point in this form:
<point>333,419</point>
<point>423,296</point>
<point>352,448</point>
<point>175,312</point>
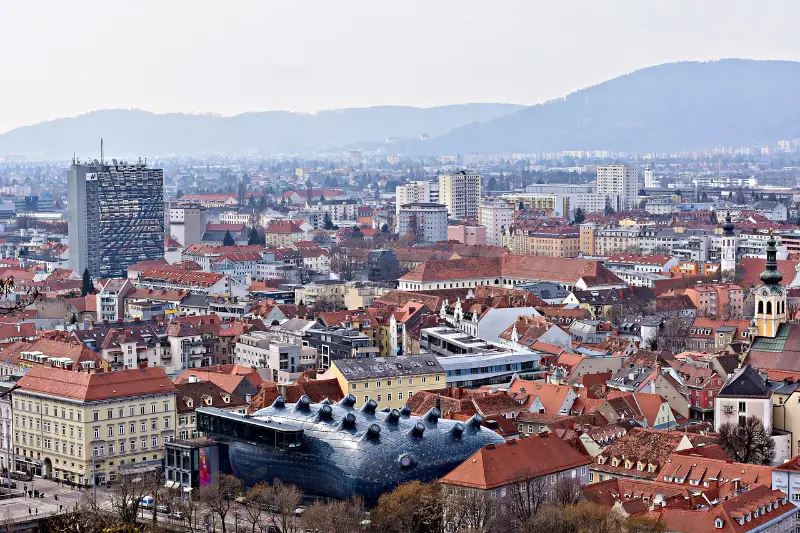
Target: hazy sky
<point>63,58</point>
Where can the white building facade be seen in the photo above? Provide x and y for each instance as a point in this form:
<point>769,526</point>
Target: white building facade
<point>430,221</point>
<point>619,183</point>
<point>498,217</point>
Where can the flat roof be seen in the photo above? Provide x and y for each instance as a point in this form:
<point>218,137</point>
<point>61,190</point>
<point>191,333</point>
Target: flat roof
<point>258,422</point>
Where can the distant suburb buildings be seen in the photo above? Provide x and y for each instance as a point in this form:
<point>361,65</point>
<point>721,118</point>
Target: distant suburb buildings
<point>116,216</point>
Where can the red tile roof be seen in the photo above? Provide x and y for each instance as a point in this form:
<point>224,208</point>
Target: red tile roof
<point>502,464</point>
<point>93,387</point>
<point>524,267</point>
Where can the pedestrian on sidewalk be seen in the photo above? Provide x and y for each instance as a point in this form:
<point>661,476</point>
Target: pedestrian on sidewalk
<point>37,511</point>
<point>56,497</point>
<point>29,511</point>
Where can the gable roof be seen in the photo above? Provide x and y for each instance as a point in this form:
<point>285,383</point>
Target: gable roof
<point>502,464</point>
<point>551,396</point>
<point>745,383</point>
<point>527,267</point>
<point>192,395</point>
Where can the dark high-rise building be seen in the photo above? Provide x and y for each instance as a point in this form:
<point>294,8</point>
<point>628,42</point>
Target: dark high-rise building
<point>116,216</point>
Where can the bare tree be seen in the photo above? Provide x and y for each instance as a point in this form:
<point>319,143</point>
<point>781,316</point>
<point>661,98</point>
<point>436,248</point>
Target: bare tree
<point>337,516</point>
<point>25,298</point>
<point>747,442</point>
<point>283,500</point>
<point>526,495</point>
<point>305,275</point>
<point>126,495</point>
<point>218,497</point>
<point>673,335</point>
<point>344,263</point>
<point>470,510</point>
<point>255,514</point>
<point>190,507</point>
<point>567,492</point>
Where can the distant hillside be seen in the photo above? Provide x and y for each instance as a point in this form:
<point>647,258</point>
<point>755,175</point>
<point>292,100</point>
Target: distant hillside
<point>134,132</point>
<point>675,106</point>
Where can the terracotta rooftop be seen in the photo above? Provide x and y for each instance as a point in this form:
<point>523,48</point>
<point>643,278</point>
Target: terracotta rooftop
<point>502,464</point>
<point>85,387</point>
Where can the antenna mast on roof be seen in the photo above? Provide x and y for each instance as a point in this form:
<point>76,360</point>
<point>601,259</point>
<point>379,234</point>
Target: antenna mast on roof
<point>101,150</point>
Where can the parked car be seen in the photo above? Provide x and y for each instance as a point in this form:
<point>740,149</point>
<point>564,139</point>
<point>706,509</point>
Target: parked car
<point>161,508</point>
<point>21,476</point>
<point>176,515</point>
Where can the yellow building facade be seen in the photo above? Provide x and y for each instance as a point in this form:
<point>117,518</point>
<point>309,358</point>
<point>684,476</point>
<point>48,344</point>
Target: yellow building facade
<point>389,381</point>
<point>79,427</point>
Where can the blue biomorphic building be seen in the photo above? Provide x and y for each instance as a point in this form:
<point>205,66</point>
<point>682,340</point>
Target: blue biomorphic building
<point>338,449</point>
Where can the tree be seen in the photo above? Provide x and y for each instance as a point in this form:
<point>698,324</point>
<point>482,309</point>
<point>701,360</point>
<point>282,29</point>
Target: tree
<point>126,495</point>
<point>253,238</point>
<point>327,222</point>
<point>356,233</point>
<point>608,209</point>
<point>87,287</point>
<point>227,240</point>
<point>304,275</point>
<point>673,335</point>
<point>747,442</point>
<point>337,516</point>
<point>283,499</point>
<point>385,228</point>
<point>579,216</point>
<point>218,497</point>
<point>492,185</point>
<point>470,510</point>
<point>526,495</point>
<point>412,507</point>
<point>257,500</point>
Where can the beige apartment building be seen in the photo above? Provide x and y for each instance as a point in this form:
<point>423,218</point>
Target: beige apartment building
<point>71,425</point>
<point>461,193</point>
<point>549,242</point>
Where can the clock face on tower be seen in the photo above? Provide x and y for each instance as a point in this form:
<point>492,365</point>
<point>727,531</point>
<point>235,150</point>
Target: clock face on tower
<point>765,292</point>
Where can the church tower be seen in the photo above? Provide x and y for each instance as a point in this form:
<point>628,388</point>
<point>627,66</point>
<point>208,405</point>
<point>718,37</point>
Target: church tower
<point>728,248</point>
<point>770,296</point>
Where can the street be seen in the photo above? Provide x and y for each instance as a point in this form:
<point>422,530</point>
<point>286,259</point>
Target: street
<point>13,509</point>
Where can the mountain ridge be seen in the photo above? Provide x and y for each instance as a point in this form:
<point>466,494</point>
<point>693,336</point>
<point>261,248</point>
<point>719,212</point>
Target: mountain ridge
<point>686,105</point>
<point>135,131</point>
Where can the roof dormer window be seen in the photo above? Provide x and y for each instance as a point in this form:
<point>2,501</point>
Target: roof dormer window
<point>718,523</point>
<point>189,402</point>
<point>226,398</point>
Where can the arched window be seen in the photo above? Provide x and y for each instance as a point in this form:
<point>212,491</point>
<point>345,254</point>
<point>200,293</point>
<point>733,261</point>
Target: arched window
<point>769,308</point>
<point>497,281</point>
<point>760,308</point>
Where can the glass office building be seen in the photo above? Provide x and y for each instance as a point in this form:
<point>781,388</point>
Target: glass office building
<point>116,216</point>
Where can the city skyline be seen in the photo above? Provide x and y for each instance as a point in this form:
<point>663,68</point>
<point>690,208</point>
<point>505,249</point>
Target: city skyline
<point>63,70</point>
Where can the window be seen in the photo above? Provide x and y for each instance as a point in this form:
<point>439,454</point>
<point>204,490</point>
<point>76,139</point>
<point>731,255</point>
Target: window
<point>378,384</point>
<point>110,431</point>
<point>143,443</point>
<point>166,422</point>
<point>155,441</point>
<point>366,399</point>
<point>424,378</point>
<point>366,384</point>
<point>142,409</point>
<point>96,416</point>
<point>379,398</point>
<point>122,429</point>
<point>438,377</point>
<point>110,414</point>
<point>353,386</point>
<point>110,448</point>
<point>132,428</point>
<point>152,408</point>
<point>133,445</point>
<point>166,407</point>
<point>399,395</point>
<point>410,394</point>
<point>389,397</point>
<point>742,407</point>
<point>121,412</point>
<point>122,446</point>
<point>154,424</point>
<point>143,426</point>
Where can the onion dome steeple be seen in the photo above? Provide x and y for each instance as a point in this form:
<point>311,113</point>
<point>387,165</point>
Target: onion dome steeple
<point>728,226</point>
<point>771,276</point>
